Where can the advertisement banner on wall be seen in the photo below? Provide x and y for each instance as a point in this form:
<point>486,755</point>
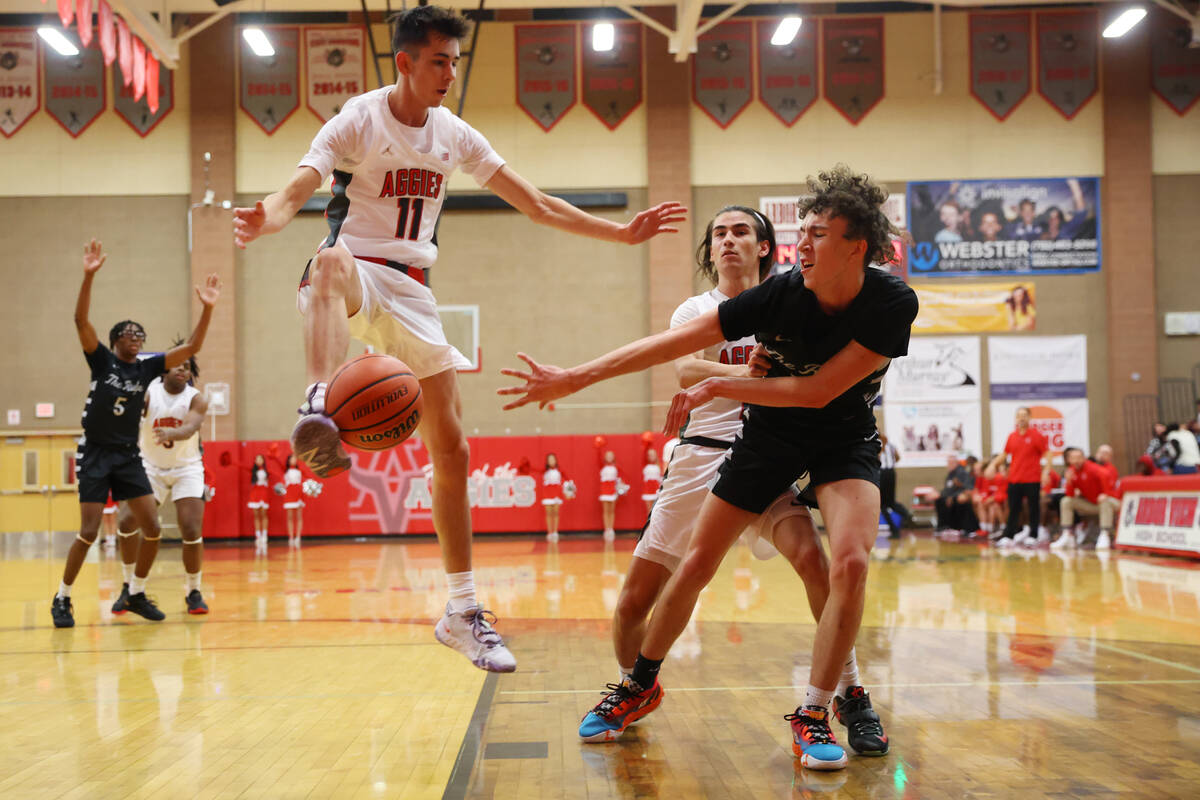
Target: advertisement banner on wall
<point>1004,227</point>
<point>1031,367</point>
<point>1000,59</point>
<point>937,369</point>
<point>546,71</point>
<point>721,71</point>
<point>612,80</point>
<point>20,93</point>
<point>1161,514</point>
<point>975,307</point>
<point>335,67</point>
<point>1064,422</point>
<point>270,87</point>
<point>926,434</point>
<point>783,212</point>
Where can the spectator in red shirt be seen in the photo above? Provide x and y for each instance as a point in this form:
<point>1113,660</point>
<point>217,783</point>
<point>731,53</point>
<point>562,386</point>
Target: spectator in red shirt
<point>1090,492</point>
<point>1027,447</point>
<point>1103,457</point>
<point>1051,493</point>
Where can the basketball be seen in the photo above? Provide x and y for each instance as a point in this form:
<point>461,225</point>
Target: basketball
<point>375,400</point>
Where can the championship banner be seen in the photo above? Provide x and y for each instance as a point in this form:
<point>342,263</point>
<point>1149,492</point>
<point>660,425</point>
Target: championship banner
<point>20,93</point>
<point>1161,514</point>
<point>975,307</point>
<point>546,71</point>
<point>612,81</point>
<point>136,113</point>
<point>926,434</point>
<point>721,72</point>
<point>937,369</point>
<point>1000,60</point>
<point>75,94</point>
<point>787,76</point>
<point>269,90</point>
<point>853,54</point>
<point>335,67</point>
<point>1067,58</point>
<point>1004,227</point>
<point>1175,66</point>
<point>1048,374</point>
<point>783,211</point>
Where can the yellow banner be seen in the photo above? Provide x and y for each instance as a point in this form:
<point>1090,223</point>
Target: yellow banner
<point>975,307</point>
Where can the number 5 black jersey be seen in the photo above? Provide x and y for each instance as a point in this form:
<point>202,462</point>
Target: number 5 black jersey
<point>113,409</point>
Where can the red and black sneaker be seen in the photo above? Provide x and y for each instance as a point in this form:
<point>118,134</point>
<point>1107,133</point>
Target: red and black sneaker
<point>864,733</point>
<point>624,705</point>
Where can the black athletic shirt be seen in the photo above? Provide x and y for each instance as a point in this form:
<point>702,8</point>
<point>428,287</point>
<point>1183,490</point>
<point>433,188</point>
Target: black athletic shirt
<point>785,318</point>
<point>113,409</point>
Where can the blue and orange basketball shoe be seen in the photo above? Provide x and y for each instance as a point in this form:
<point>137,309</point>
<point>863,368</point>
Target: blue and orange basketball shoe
<point>624,705</point>
<point>864,732</point>
<point>812,740</point>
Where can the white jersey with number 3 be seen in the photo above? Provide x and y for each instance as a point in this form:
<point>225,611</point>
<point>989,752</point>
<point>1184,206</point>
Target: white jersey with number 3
<point>389,179</point>
<point>166,410</point>
<point>719,418</point>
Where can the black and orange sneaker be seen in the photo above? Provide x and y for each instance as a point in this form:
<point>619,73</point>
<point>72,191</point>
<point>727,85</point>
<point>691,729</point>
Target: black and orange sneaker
<point>812,740</point>
<point>864,733</point>
<point>624,705</point>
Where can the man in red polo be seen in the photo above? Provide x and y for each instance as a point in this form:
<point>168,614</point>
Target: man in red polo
<point>1089,491</point>
<point>1027,447</point>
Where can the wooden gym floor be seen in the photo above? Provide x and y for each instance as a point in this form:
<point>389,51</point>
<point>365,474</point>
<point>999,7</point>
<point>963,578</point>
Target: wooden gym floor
<point>317,675</point>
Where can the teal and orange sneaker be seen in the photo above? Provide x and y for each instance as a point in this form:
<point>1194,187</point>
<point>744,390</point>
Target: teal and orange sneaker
<point>624,705</point>
<point>812,740</point>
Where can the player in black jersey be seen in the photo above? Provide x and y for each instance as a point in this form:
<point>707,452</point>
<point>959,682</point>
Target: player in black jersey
<point>827,331</point>
<point>107,458</point>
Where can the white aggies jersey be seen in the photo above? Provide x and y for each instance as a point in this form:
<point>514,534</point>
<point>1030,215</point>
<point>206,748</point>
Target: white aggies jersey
<point>719,418</point>
<point>166,410</point>
<point>389,180</point>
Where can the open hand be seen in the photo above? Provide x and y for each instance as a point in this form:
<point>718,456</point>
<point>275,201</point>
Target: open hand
<point>248,224</point>
<point>93,257</point>
<point>653,221</point>
<point>685,402</point>
<point>543,383</point>
<point>211,291</point>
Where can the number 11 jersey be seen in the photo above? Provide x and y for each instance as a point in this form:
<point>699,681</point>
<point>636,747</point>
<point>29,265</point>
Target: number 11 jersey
<point>389,179</point>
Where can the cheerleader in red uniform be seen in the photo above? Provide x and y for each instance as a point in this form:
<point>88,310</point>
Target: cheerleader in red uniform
<point>552,496</point>
<point>609,477</point>
<point>260,498</point>
<point>651,479</point>
<point>292,504</point>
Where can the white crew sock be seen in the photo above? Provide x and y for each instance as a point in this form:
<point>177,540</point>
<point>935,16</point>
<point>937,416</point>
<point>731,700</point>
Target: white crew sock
<point>193,580</point>
<point>625,671</point>
<point>137,585</point>
<point>817,698</point>
<point>462,591</point>
<point>127,571</point>
<point>849,674</point>
<point>63,590</point>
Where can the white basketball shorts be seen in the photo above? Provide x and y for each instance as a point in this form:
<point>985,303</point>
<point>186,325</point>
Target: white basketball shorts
<point>177,483</point>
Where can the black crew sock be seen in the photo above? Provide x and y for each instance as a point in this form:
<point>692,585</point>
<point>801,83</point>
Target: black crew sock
<point>645,671</point>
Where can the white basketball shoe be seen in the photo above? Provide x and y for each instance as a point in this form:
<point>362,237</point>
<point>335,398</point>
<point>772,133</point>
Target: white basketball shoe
<point>471,633</point>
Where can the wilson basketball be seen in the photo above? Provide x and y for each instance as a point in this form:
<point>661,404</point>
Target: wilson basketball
<point>375,400</point>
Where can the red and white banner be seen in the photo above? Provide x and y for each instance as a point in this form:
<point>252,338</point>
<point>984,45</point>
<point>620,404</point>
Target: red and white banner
<point>335,67</point>
<point>389,492</point>
<point>139,68</point>
<point>108,32</point>
<point>20,92</point>
<point>151,82</point>
<point>1160,514</point>
<point>137,113</point>
<point>270,87</point>
<point>1067,58</point>
<point>1000,59</point>
<point>75,94</point>
<point>612,81</point>
<point>1175,63</point>
<point>125,51</point>
<point>66,11</point>
<point>546,71</point>
<point>853,56</point>
<point>787,76</point>
<point>722,70</point>
<point>83,17</point>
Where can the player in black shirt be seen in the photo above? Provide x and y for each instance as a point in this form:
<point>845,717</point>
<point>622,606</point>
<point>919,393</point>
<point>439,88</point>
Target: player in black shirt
<point>107,458</point>
<point>827,332</point>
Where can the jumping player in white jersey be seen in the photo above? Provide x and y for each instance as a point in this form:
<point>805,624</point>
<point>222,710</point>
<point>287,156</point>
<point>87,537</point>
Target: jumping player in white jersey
<point>737,252</point>
<point>829,329</point>
<point>390,152</point>
<point>107,458</point>
<point>174,463</point>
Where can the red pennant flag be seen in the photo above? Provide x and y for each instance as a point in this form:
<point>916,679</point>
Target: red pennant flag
<point>124,51</point>
<point>139,69</point>
<point>66,11</point>
<point>108,34</point>
<point>152,83</point>
<point>83,13</point>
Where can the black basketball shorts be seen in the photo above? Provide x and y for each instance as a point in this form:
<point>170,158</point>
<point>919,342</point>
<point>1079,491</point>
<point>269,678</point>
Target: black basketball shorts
<point>762,465</point>
<point>103,469</point>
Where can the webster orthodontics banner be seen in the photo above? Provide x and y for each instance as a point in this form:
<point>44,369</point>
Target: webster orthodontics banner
<point>1004,227</point>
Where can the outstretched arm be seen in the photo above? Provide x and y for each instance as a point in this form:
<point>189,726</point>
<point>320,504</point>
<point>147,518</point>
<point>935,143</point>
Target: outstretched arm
<point>208,298</point>
<point>93,260</point>
<point>276,210</point>
<point>191,423</point>
<point>544,383</point>
<point>557,213</point>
